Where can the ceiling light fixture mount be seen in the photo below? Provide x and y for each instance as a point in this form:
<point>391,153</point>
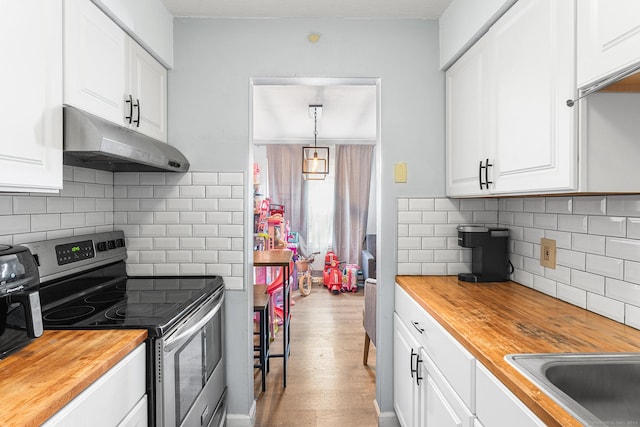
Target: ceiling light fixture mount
<point>315,160</point>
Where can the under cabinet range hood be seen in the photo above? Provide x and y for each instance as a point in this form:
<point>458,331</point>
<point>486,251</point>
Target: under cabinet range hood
<point>92,142</point>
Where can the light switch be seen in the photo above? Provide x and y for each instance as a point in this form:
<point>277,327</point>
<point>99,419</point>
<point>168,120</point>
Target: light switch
<point>400,172</point>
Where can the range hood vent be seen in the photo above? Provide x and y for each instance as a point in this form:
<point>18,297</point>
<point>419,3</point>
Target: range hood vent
<point>92,142</point>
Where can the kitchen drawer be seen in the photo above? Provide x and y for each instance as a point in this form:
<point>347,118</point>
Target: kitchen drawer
<point>454,361</point>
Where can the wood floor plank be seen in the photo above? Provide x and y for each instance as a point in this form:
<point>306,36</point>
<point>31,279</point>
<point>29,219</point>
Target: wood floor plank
<point>327,385</point>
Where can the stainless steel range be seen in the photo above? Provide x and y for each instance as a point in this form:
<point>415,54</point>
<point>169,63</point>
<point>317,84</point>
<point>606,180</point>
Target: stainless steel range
<point>84,285</point>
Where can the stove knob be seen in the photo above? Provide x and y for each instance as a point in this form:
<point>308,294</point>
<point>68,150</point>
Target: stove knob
<point>119,243</point>
<point>101,246</point>
<point>111,244</point>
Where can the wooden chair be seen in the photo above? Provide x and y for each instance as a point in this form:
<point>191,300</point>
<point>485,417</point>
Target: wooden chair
<point>369,316</point>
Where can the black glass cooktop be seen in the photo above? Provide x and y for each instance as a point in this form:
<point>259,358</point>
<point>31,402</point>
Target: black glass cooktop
<point>107,299</point>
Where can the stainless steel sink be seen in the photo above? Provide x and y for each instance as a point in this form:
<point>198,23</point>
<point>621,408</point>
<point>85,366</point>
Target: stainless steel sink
<point>598,389</point>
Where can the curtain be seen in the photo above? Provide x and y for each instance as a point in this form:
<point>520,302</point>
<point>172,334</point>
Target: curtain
<point>287,187</point>
<point>353,179</point>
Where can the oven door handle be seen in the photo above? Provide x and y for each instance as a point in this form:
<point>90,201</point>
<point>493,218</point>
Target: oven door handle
<point>173,342</point>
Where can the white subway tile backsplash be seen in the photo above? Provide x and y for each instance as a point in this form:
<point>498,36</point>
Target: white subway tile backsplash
<point>606,307</point>
<point>95,218</point>
<point>587,281</point>
<point>140,191</point>
<point>628,205</point>
<point>75,220</point>
<point>573,223</point>
<point>472,205</point>
<point>223,218</point>
<point>204,178</point>
<point>166,243</point>
<point>84,175</point>
<point>207,256</point>
<point>421,230</point>
<point>192,218</point>
<point>192,192</point>
<point>513,205</point>
<point>15,224</point>
<point>523,248</point>
<point>29,205</point>
<point>534,204</point>
<point>179,205</point>
<point>559,274</point>
<point>130,230</point>
<point>172,269</point>
<point>546,221</point>
<point>412,269</point>
<point>433,269</point>
<point>435,218</point>
<point>485,217</point>
<point>179,256</point>
<point>571,259</point>
<point>178,179</point>
<point>434,243</point>
<point>546,286</point>
<point>237,243</point>
<point>403,230</point>
<point>523,219</point>
<point>632,272</point>
<point>231,230</point>
<point>205,205</point>
<point>231,257</point>
<point>206,230</point>
<point>454,268</point>
<point>523,277</point>
<point>237,217</point>
<point>532,235</point>
<point>605,266</point>
<point>402,204</point>
<point>633,228</point>
<point>232,282</point>
<point>136,218</point>
<point>45,222</point>
<point>408,242</point>
<point>588,243</point>
<point>6,205</point>
<point>166,217</point>
<point>451,255</point>
<point>192,243</point>
<point>140,269</point>
<point>572,295</point>
<point>83,204</point>
<point>237,192</point>
<point>403,255</point>
<point>623,248</point>
<point>152,178</point>
<point>103,205</point>
<point>152,230</point>
<point>590,205</point>
<point>421,256</point>
<point>72,189</point>
<point>234,178</point>
<point>94,190</point>
<point>533,266</point>
<point>169,191</point>
<point>562,238</point>
<point>231,205</point>
<point>19,239</point>
<point>406,217</point>
<point>608,226</point>
<point>446,204</point>
<point>632,316</point>
<point>445,230</point>
<point>127,205</point>
<point>623,291</point>
<point>421,204</point>
<point>153,257</point>
<point>457,217</point>
<point>559,205</point>
<point>153,205</point>
<point>491,204</point>
<point>140,243</point>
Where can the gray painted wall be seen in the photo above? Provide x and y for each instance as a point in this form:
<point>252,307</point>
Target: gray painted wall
<point>209,115</point>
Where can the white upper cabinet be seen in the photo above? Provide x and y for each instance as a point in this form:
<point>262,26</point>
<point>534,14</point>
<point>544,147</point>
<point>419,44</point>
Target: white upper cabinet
<point>509,130</point>
<point>31,88</point>
<point>608,38</point>
<point>532,72</point>
<point>108,74</point>
<point>467,123</point>
<point>148,88</point>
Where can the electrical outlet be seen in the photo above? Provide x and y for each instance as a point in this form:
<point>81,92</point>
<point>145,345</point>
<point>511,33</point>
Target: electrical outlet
<point>548,253</point>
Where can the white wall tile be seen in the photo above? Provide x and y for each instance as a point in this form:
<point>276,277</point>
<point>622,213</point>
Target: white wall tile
<point>208,256</point>
<point>402,204</point>
<point>24,205</point>
<point>94,218</point>
<point>451,255</point>
<point>81,204</point>
<point>177,230</point>
<point>590,205</point>
<point>179,205</point>
<point>505,218</point>
<point>410,269</point>
<point>632,316</point>
<point>139,243</point>
<point>433,269</point>
<point>606,306</point>
<point>232,283</point>
<point>445,230</point>
<point>140,191</point>
<point>588,243</point>
<point>472,205</point>
<point>234,178</point>
<point>193,218</point>
<point>434,243</point>
<point>166,269</point>
<point>166,217</point>
<point>574,223</point>
<point>126,178</point>
<point>192,192</point>
<point>571,259</point>
<point>587,281</point>
<point>205,230</point>
<point>523,219</point>
<point>19,239</point>
<point>533,266</point>
<point>6,205</point>
<point>130,230</point>
<point>179,256</point>
<point>572,295</point>
<point>532,235</point>
<point>94,190</point>
<point>608,226</point>
<point>403,230</point>
<point>623,291</point>
<point>523,248</point>
<point>628,205</point>
<point>406,217</point>
<point>434,218</point>
<point>153,230</point>
<point>523,277</point>
<point>139,218</point>
<point>485,217</point>
<point>74,220</point>
<point>632,272</point>
<point>421,230</point>
<point>421,256</point>
<point>204,178</point>
<point>153,205</point>
<point>559,205</point>
<point>126,205</point>
<point>140,269</point>
<point>456,217</point>
<point>178,179</point>
<point>231,231</point>
<point>230,257</point>
<point>491,204</point>
<point>192,243</point>
<point>219,218</point>
<point>546,286</point>
<point>44,222</point>
<point>559,274</point>
<point>421,204</point>
<point>205,205</point>
<point>605,266</point>
<point>84,175</point>
<point>237,243</point>
<point>454,268</point>
<point>166,243</point>
<point>153,257</point>
<point>403,255</point>
<point>446,204</point>
<point>169,191</point>
<point>103,205</point>
<point>152,178</point>
<point>633,228</point>
<point>623,248</point>
<point>72,189</point>
<point>546,221</point>
<point>231,205</point>
<point>534,204</point>
<point>514,205</point>
<point>562,238</point>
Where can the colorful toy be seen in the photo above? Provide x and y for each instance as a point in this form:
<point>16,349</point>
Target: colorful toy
<point>304,273</point>
<point>332,274</point>
<point>350,278</point>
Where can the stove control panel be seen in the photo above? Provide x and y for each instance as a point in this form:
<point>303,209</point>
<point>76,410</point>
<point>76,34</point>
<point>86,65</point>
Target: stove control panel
<point>73,252</point>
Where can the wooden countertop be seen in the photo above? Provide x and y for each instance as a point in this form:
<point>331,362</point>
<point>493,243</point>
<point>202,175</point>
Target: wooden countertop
<point>40,379</point>
<point>495,319</point>
<point>273,258</point>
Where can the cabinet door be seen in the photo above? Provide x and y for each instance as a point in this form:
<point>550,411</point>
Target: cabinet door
<point>95,60</point>
<point>467,122</point>
<point>434,408</point>
<point>31,88</point>
<point>608,38</point>
<point>532,76</point>
<point>148,86</point>
<point>405,390</point>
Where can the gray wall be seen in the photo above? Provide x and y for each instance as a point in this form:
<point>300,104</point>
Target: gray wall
<point>209,114</point>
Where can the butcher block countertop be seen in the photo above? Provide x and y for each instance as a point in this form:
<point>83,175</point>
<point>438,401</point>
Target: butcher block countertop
<point>40,379</point>
<point>492,320</point>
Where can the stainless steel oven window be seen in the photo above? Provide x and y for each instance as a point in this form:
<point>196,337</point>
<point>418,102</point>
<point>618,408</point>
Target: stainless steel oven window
<point>213,345</point>
<point>189,374</point>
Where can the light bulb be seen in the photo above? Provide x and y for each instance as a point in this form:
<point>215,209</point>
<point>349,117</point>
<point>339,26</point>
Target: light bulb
<point>314,166</point>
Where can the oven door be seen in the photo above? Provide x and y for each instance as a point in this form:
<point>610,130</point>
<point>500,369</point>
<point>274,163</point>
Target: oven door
<point>190,377</point>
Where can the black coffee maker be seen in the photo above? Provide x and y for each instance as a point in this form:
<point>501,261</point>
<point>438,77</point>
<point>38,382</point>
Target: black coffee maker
<point>489,254</point>
<point>19,297</point>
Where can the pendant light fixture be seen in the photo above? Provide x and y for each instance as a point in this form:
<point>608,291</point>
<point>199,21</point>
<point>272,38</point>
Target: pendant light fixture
<point>315,160</point>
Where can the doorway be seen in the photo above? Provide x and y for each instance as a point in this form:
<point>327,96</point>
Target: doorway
<point>279,115</point>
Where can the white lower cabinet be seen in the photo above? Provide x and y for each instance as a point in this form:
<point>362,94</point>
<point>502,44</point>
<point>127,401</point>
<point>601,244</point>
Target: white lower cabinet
<point>117,398</point>
<point>497,406</point>
<point>424,394</point>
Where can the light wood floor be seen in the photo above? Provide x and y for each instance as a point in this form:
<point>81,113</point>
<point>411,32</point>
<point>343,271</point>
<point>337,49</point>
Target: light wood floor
<point>327,384</point>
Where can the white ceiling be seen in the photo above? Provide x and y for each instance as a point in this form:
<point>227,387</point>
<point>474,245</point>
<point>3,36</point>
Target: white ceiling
<point>280,111</point>
<point>427,9</point>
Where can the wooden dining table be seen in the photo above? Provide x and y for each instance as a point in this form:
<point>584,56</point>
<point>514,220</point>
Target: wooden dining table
<point>280,258</point>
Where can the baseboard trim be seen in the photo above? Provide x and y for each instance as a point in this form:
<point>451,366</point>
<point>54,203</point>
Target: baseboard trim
<point>385,419</point>
<point>242,420</point>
